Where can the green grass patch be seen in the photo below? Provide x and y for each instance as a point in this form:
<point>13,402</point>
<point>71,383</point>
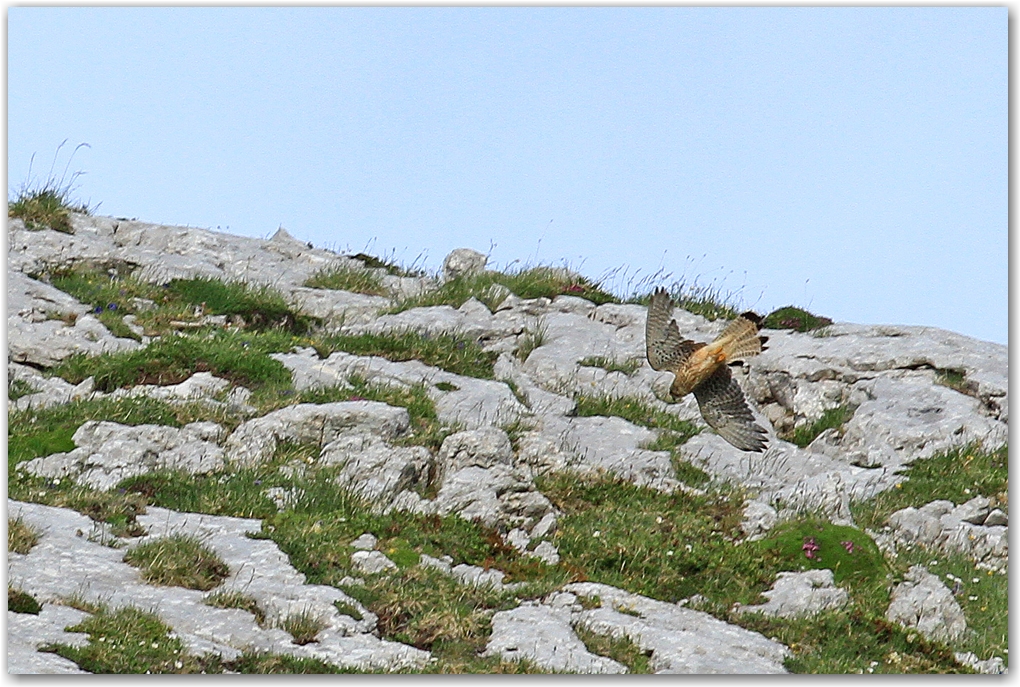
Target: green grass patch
<point>20,537</point>
<point>451,353</point>
<point>832,418</point>
<point>432,611</point>
<point>178,560</point>
<point>242,359</point>
<point>20,601</point>
<point>527,283</point>
<point>528,342</point>
<point>235,599</point>
<point>391,267</point>
<point>955,380</point>
<point>129,640</point>
<point>260,307</point>
<point>266,663</point>
<point>303,626</point>
<point>957,475</point>
<point>343,278</point>
<point>49,203</point>
<point>665,546</point>
<point>627,367</point>
<point>18,388</point>
<point>621,649</point>
<point>797,319</point>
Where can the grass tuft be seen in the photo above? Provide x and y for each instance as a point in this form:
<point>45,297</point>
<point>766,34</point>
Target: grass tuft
<point>49,204</point>
<point>235,599</point>
<point>621,649</point>
<point>451,353</point>
<point>20,537</point>
<point>627,367</point>
<point>19,601</point>
<point>303,626</point>
<point>529,341</point>
<point>344,278</point>
<point>832,418</point>
<point>179,560</point>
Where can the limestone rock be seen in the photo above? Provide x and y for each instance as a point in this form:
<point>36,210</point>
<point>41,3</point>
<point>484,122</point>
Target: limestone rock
<point>255,440</point>
<point>371,562</point>
<point>374,468</point>
<point>800,593</point>
<point>463,262</point>
<point>108,452</point>
<point>923,602</point>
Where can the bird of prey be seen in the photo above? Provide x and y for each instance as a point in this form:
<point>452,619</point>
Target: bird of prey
<point>703,369</point>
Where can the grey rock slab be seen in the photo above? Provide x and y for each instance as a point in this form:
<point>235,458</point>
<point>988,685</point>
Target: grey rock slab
<point>544,636</point>
<point>597,443</point>
<point>923,601</point>
<point>681,640</point>
<point>498,496</point>
<point>51,341</point>
<point>64,563</point>
<point>34,301</point>
<point>759,518</point>
<point>53,391</point>
<point>974,511</point>
<point>333,305</point>
<point>937,526</point>
<point>108,452</point>
<point>483,448</point>
<point>375,469</point>
<point>371,562</point>
<point>26,633</point>
<point>365,542</point>
<point>473,403</point>
<point>991,666</point>
<point>996,518</point>
<point>800,593</point>
<point>255,440</point>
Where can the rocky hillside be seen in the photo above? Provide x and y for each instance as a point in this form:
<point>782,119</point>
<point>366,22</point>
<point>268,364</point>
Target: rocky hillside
<point>380,470</point>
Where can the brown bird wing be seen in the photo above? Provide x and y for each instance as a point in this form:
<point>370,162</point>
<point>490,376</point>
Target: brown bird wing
<point>665,348</point>
<point>725,410</point>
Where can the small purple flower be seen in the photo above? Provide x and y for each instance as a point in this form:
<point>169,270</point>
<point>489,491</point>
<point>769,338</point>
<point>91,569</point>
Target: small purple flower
<point>258,482</point>
<point>98,309</point>
<point>357,398</point>
<point>111,306</point>
<point>460,345</point>
<point>848,545</point>
<point>810,547</point>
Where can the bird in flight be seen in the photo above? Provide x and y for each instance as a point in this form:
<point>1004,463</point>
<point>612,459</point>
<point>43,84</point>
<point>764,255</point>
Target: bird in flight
<point>704,369</point>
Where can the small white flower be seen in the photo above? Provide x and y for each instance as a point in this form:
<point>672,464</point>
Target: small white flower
<point>178,665</point>
<point>972,598</point>
<point>596,533</point>
<point>658,519</point>
<point>976,580</point>
<point>689,548</point>
<point>155,646</point>
<point>102,639</point>
<point>934,563</point>
<point>669,553</point>
<point>966,491</point>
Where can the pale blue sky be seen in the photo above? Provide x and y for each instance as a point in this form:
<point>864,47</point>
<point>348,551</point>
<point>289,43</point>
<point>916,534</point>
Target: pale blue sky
<point>849,160</point>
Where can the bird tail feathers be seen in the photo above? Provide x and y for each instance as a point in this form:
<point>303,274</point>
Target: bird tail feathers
<point>740,339</point>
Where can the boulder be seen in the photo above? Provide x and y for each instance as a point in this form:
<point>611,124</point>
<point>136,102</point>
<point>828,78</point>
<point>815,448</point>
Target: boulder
<point>923,602</point>
<point>799,594</point>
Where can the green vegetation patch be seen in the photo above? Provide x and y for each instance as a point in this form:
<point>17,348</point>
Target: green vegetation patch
<point>178,560</point>
<point>797,319</point>
<point>129,640</point>
<point>534,282</point>
<point>19,601</point>
<point>627,367</point>
<point>528,342</point>
<point>234,599</point>
<point>850,553</point>
<point>242,359</point>
<point>665,546</point>
<point>259,307</point>
<point>621,649</point>
<point>303,626</point>
<point>831,418</point>
<point>20,537</point>
<point>17,388</point>
<point>343,278</point>
<point>452,353</point>
<point>266,663</point>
